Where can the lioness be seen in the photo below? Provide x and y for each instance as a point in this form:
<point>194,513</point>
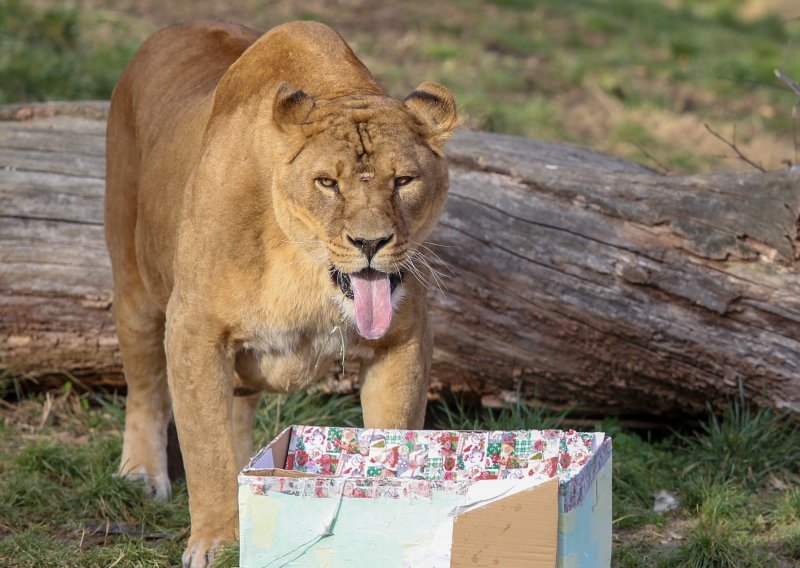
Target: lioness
<point>261,192</point>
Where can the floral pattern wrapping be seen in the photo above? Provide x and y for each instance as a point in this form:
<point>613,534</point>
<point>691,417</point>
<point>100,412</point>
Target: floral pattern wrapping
<point>354,488</point>
<point>435,455</point>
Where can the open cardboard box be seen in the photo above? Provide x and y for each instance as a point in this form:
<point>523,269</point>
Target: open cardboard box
<point>340,497</point>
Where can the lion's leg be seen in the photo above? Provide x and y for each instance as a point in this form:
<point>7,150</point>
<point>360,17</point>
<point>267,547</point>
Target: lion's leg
<point>140,327</point>
<point>244,409</point>
<point>200,373</point>
<point>394,385</point>
<point>140,324</point>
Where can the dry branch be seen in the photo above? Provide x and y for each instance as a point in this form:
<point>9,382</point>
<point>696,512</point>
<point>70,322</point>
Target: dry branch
<point>732,145</point>
<point>794,87</point>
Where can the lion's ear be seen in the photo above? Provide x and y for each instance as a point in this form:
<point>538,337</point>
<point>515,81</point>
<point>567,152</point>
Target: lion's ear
<point>290,107</point>
<point>435,107</point>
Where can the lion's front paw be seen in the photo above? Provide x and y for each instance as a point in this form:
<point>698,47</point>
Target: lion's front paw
<point>157,485</point>
<point>202,551</point>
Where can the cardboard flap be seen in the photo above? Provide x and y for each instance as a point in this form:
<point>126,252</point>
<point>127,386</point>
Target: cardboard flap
<point>271,457</point>
<point>514,532</point>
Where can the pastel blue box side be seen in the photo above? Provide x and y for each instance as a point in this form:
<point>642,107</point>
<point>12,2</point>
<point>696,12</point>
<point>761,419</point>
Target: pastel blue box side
<point>584,519</point>
<point>287,530</point>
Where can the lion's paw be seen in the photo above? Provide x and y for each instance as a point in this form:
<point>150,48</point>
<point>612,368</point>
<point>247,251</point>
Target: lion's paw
<point>202,552</point>
<point>157,486</point>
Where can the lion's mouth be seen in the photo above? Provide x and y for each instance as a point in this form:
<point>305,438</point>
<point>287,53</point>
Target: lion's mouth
<point>345,283</point>
<point>371,292</point>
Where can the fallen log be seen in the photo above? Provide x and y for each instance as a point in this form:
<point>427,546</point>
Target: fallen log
<point>577,279</point>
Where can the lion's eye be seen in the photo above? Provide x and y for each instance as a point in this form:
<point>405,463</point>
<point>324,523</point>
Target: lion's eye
<point>327,183</point>
<point>402,181</point>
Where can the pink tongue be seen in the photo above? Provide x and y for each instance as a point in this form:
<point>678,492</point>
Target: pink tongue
<point>372,294</point>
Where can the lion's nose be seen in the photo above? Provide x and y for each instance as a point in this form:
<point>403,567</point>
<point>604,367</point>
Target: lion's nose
<point>369,246</point>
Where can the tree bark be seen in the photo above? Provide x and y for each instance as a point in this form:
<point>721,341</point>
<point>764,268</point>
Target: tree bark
<point>577,279</point>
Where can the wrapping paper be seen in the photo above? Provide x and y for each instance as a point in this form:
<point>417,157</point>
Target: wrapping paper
<point>437,455</point>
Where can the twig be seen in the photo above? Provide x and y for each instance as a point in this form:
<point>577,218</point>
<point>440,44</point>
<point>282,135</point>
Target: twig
<point>46,408</point>
<point>794,87</point>
<point>664,170</point>
<point>794,132</point>
<point>732,146</point>
<point>278,414</point>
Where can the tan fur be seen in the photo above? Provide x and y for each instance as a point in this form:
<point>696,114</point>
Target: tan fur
<point>221,241</point>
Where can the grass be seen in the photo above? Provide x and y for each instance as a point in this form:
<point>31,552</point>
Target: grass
<point>744,445</point>
<point>57,53</point>
<point>617,75</point>
<point>640,469</point>
<point>59,497</point>
<point>277,412</point>
<point>635,78</point>
<point>736,479</point>
<point>458,414</point>
<point>61,504</point>
<point>720,535</point>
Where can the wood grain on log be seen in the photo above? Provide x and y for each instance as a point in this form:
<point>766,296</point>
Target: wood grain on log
<point>583,280</point>
<point>55,279</point>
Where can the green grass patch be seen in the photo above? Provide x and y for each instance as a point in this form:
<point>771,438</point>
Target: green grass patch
<point>717,545</point>
<point>61,503</point>
<point>49,54</point>
<point>723,532</point>
<point>790,544</point>
<point>537,69</point>
<point>789,507</point>
<point>277,412</point>
<point>58,499</point>
<point>442,51</point>
<point>745,445</point>
<point>640,469</point>
<point>458,414</point>
<point>541,69</point>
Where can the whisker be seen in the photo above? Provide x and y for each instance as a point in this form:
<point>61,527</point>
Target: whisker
<point>438,259</point>
<point>432,244</point>
<point>435,274</point>
<point>422,277</point>
<point>439,244</point>
<point>417,256</point>
<point>430,267</point>
<point>438,281</point>
<point>409,264</point>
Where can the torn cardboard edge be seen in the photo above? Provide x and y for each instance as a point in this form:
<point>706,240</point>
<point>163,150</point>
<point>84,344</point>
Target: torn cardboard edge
<point>574,491</point>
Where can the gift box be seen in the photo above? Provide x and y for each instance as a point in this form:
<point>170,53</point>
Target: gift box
<point>339,497</point>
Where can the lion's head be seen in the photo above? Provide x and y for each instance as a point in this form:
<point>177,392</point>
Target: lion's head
<point>360,182</point>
